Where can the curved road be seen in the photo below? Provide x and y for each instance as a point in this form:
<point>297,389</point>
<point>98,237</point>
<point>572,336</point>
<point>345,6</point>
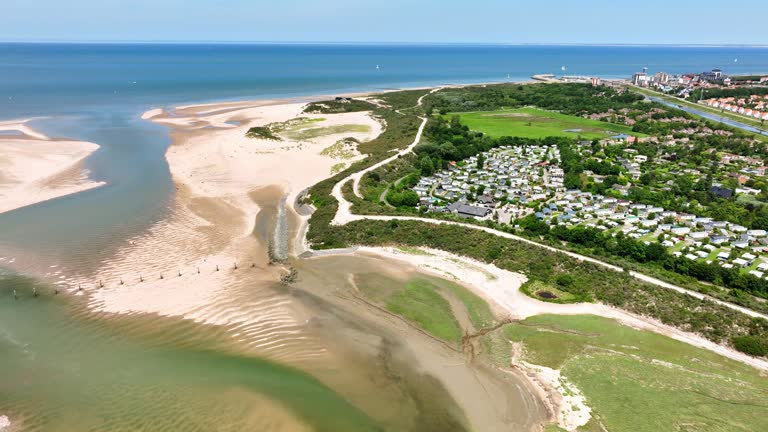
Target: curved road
<point>344,215</point>
<point>358,175</point>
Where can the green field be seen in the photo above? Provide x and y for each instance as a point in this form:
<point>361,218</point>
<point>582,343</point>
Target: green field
<point>425,303</point>
<point>422,304</point>
<point>641,381</point>
<point>536,123</point>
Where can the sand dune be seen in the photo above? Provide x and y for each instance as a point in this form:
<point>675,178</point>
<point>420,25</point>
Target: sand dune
<point>35,168</point>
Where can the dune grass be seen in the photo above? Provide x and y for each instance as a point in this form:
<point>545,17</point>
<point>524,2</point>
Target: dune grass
<point>300,134</point>
<point>641,381</point>
<point>342,149</point>
<point>536,123</point>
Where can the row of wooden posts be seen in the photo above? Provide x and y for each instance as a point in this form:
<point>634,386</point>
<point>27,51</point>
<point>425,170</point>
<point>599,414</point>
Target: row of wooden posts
<point>141,279</point>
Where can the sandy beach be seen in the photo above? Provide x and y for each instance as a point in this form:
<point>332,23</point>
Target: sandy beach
<point>214,243</point>
<point>35,168</point>
<point>208,262</point>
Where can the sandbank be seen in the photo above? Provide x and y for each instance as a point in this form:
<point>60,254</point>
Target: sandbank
<point>35,168</point>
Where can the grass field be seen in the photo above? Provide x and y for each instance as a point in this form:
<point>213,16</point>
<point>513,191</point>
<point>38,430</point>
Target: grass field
<point>477,309</point>
<point>641,381</point>
<point>536,123</point>
<point>424,302</point>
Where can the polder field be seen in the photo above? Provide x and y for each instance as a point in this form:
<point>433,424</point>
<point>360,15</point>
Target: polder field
<point>640,381</point>
<point>536,123</point>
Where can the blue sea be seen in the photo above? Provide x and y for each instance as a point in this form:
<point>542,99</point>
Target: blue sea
<point>97,93</point>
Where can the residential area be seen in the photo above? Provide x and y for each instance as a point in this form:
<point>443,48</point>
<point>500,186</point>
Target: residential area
<point>510,183</point>
<point>505,182</point>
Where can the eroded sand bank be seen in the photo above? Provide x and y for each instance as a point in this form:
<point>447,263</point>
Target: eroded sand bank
<point>35,168</point>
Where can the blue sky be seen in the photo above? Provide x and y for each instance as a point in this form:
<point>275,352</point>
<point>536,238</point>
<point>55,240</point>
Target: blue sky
<point>491,21</point>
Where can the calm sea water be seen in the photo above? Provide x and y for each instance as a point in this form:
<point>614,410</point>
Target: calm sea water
<point>97,93</point>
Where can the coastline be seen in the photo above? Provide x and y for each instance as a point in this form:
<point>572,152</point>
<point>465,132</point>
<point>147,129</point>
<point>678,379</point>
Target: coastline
<point>37,168</point>
<point>208,261</point>
<point>224,182</point>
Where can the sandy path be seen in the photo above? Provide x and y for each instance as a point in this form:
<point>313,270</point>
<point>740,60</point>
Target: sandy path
<point>35,168</point>
<point>358,175</point>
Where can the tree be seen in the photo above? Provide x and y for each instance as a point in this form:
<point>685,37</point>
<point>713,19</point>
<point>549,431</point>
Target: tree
<point>481,161</point>
<point>426,166</point>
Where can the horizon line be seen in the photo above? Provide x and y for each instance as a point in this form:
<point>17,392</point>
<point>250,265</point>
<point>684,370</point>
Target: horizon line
<point>373,43</point>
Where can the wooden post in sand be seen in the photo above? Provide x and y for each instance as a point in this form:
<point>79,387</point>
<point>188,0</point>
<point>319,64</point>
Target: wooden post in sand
<point>141,278</point>
<point>179,273</point>
<point>79,287</point>
<point>235,265</point>
<point>161,275</point>
<point>253,265</point>
<point>121,281</point>
<point>101,285</point>
<point>217,267</point>
<point>198,270</point>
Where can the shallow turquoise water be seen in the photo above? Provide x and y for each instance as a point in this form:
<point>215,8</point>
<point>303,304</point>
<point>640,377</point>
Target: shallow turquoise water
<point>65,370</point>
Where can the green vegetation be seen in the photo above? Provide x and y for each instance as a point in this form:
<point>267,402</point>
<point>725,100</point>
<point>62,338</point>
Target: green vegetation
<point>425,303</point>
<point>589,281</point>
<point>574,99</point>
<point>536,123</point>
<point>344,105</point>
<point>298,129</point>
<point>404,100</point>
<point>315,132</point>
<point>342,149</point>
<point>743,78</point>
<point>272,131</point>
<point>538,290</point>
<point>337,168</point>
<point>641,381</point>
<point>477,309</point>
<point>262,132</point>
<point>751,345</point>
<point>420,303</point>
<point>444,141</point>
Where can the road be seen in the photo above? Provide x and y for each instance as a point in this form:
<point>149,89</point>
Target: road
<point>710,116</point>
